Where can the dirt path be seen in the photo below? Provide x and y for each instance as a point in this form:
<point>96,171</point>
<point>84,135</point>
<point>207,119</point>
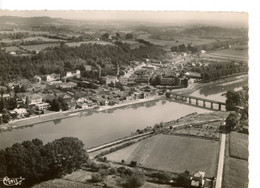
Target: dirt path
<point>221,161</point>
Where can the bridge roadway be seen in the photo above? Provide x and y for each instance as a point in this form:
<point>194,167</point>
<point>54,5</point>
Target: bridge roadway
<point>184,98</point>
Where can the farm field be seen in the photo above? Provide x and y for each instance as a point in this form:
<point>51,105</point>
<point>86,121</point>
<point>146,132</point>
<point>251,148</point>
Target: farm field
<point>40,38</point>
<point>133,44</point>
<point>177,41</point>
<point>39,47</point>
<point>12,49</point>
<point>232,53</point>
<point>72,44</point>
<point>238,145</point>
<point>235,173</point>
<point>172,153</point>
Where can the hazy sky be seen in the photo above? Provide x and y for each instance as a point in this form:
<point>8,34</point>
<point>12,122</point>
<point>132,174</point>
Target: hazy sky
<point>159,16</point>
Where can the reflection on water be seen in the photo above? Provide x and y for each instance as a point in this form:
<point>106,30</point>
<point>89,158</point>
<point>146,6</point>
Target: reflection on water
<point>163,102</point>
<point>57,121</point>
<point>101,127</point>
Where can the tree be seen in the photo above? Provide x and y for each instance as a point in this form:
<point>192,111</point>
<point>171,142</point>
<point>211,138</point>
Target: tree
<point>133,163</point>
<point>37,162</point>
<point>105,36</point>
<point>64,155</point>
<point>135,180</point>
<point>3,167</point>
<point>55,105</point>
<point>23,88</point>
<point>96,177</point>
<point>12,104</point>
<point>129,36</point>
<point>232,121</point>
<point>183,179</point>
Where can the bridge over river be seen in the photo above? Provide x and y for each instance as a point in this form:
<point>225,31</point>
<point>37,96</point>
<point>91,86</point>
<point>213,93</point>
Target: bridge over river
<point>196,101</point>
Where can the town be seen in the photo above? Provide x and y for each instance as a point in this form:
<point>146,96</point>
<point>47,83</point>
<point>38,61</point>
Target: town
<point>77,89</point>
<point>119,103</point>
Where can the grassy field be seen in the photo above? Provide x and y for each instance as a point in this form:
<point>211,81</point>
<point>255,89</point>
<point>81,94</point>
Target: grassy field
<point>60,183</point>
<point>176,41</point>
<point>40,38</point>
<point>238,145</point>
<point>72,44</point>
<point>172,153</point>
<point>236,164</point>
<point>110,181</point>
<point>133,44</point>
<point>232,53</point>
<point>12,49</point>
<point>235,173</point>
<point>39,47</point>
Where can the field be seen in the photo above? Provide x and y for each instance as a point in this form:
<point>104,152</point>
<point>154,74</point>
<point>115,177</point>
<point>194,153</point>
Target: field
<point>236,161</point>
<point>176,41</point>
<point>40,38</point>
<point>12,49</point>
<point>172,153</point>
<point>133,44</point>
<point>72,44</point>
<point>60,183</point>
<point>238,145</point>
<point>39,47</point>
<point>240,54</point>
<point>109,181</point>
<point>235,173</point>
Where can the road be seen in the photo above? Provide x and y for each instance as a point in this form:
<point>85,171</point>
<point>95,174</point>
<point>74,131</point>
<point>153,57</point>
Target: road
<point>221,161</point>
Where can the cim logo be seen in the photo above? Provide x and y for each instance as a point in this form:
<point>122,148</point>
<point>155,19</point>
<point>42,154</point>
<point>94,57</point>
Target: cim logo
<point>12,181</point>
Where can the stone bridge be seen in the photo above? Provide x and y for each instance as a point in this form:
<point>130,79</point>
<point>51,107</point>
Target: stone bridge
<point>191,99</point>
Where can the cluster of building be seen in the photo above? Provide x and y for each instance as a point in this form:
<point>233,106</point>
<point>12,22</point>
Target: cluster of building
<point>139,80</point>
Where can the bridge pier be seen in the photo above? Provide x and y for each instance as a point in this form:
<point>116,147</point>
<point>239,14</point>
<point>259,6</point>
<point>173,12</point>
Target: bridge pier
<point>188,99</point>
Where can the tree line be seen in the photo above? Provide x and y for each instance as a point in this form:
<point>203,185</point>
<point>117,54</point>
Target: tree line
<point>37,162</point>
<point>59,59</point>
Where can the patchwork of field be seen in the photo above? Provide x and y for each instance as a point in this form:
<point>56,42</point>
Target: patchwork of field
<point>133,44</point>
<point>236,161</point>
<point>40,38</point>
<point>176,41</point>
<point>12,49</point>
<point>39,47</point>
<point>72,44</point>
<point>232,53</point>
<point>172,153</point>
<point>235,173</point>
<point>238,145</point>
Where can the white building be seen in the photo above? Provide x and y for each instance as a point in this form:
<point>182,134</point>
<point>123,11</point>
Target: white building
<point>73,74</point>
<point>20,111</point>
<point>42,106</point>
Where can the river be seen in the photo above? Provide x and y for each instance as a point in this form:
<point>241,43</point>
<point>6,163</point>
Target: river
<point>101,127</point>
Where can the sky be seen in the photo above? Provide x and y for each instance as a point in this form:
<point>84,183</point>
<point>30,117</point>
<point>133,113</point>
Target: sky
<point>227,18</point>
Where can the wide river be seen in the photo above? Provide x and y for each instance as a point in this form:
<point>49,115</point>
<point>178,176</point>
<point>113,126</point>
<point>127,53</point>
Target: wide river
<point>101,127</point>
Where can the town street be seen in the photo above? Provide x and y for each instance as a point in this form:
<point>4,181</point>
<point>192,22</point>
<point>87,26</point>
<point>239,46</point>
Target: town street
<point>221,161</point>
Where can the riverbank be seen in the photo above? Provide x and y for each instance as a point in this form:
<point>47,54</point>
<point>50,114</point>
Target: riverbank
<point>78,112</point>
<point>195,86</point>
<point>67,114</point>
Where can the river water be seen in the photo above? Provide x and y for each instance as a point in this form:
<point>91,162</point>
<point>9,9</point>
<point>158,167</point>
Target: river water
<point>101,127</point>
